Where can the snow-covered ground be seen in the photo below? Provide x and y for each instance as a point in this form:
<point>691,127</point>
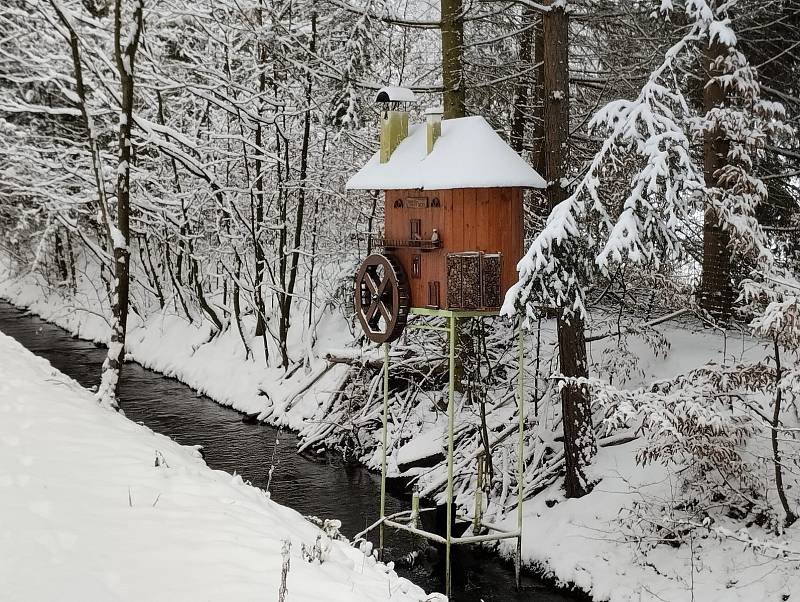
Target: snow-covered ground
<point>591,543</point>
<point>96,507</point>
<point>583,542</point>
<point>578,542</point>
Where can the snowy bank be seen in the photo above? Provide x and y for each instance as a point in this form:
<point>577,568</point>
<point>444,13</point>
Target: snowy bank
<point>216,367</point>
<point>591,544</point>
<point>96,507</point>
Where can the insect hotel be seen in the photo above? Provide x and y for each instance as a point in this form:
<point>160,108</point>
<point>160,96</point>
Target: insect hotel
<point>452,237</point>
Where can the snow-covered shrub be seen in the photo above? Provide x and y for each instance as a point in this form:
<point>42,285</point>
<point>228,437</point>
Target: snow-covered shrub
<point>319,552</point>
<point>729,447</point>
<point>619,362</point>
<point>321,549</point>
<point>698,425</point>
<point>285,566</point>
<point>778,294</point>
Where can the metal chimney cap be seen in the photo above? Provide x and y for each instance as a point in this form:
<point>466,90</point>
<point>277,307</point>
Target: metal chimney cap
<point>395,94</point>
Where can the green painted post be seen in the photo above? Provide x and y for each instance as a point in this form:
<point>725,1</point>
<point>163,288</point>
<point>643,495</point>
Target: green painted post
<point>385,429</point>
<point>450,414</point>
<point>476,519</point>
<point>520,448</point>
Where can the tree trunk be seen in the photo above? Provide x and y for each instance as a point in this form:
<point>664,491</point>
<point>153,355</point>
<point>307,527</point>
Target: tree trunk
<point>286,306</point>
<point>579,441</point>
<point>257,213</point>
<point>538,198</point>
<point>555,101</point>
<point>314,232</point>
<point>282,147</point>
<point>112,367</point>
<point>538,154</point>
<point>237,310</point>
<point>61,260</point>
<point>71,259</point>
<point>776,423</point>
<point>716,293</point>
<point>176,285</point>
<point>153,272</point>
<point>522,94</point>
<point>454,99</point>
<point>454,95</point>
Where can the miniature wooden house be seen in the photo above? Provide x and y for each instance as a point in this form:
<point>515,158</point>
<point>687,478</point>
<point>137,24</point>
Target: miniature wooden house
<point>453,215</point>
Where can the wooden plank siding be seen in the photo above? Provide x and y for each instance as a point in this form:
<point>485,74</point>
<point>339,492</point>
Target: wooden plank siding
<point>470,229</point>
<point>469,219</point>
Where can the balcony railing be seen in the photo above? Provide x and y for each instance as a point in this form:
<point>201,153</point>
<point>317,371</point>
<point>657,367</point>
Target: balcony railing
<point>391,243</point>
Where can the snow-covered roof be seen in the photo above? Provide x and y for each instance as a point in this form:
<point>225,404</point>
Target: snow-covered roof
<point>395,94</point>
<point>468,154</point>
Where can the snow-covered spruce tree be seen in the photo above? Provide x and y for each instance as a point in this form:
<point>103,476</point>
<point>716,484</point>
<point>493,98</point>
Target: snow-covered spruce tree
<point>718,415</point>
<point>648,143</point>
<point>735,127</point>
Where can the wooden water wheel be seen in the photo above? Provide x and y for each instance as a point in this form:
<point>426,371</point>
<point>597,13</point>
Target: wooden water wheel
<point>382,298</point>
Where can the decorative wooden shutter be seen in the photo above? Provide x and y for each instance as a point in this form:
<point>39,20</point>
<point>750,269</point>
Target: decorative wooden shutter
<point>490,280</point>
<point>453,281</point>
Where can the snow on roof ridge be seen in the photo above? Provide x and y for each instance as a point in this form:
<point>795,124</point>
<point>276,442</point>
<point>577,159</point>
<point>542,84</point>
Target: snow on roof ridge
<point>468,154</point>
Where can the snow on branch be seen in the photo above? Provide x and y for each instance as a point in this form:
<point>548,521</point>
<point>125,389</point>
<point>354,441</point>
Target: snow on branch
<point>648,143</point>
<point>646,127</point>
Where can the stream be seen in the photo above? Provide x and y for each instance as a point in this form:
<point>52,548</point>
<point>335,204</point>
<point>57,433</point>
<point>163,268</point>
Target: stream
<point>323,486</point>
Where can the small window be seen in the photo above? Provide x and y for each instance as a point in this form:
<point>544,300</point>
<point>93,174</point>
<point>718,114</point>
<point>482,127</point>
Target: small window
<point>416,229</point>
<point>435,203</point>
<point>398,204</point>
<point>433,295</point>
<point>416,266</point>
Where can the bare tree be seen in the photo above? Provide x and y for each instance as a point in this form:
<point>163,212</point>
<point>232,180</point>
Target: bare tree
<point>126,43</point>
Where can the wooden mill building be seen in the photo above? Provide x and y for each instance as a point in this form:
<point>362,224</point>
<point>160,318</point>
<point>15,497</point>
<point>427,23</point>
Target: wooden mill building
<point>453,208</point>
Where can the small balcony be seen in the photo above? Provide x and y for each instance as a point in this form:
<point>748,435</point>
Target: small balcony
<point>390,243</point>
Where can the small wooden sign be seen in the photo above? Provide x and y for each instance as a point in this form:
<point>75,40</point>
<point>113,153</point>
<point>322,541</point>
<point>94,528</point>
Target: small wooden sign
<point>417,203</point>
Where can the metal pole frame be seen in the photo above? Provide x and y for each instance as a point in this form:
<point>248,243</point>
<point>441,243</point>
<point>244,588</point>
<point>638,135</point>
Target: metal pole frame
<point>520,448</point>
<point>449,540</point>
<point>383,447</point>
<point>450,419</point>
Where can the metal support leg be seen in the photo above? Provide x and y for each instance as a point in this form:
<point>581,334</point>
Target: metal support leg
<point>383,447</point>
<point>520,449</point>
<point>476,519</point>
<point>450,414</point>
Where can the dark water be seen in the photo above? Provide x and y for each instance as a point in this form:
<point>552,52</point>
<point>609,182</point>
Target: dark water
<point>323,487</point>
